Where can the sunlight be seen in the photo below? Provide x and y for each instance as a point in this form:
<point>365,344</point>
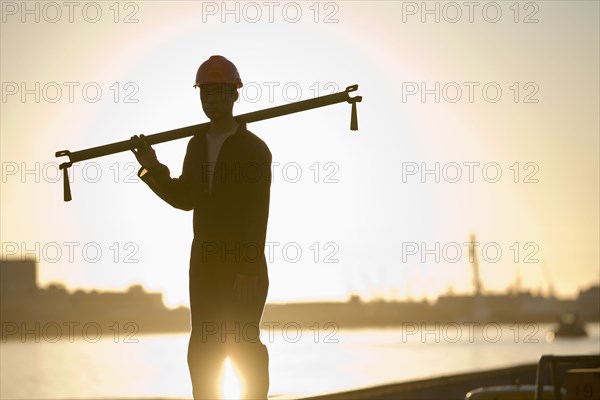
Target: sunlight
<point>230,383</point>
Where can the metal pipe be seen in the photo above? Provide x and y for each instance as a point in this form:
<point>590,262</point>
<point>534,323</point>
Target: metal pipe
<point>161,137</point>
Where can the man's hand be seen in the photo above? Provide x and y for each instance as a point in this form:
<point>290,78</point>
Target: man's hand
<point>245,287</point>
<point>144,153</point>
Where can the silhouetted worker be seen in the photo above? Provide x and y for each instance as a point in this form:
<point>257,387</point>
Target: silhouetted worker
<point>226,180</point>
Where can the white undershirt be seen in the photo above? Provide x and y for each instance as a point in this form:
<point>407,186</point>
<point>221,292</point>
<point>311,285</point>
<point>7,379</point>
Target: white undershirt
<point>214,141</point>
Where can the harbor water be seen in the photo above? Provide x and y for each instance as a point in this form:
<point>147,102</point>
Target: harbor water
<point>302,361</point>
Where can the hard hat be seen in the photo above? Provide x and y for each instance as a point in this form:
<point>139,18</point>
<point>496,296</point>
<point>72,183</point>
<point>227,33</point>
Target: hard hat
<point>218,69</point>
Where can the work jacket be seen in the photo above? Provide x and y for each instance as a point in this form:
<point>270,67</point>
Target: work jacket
<point>230,221</point>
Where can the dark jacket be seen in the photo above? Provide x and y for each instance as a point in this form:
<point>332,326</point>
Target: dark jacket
<point>230,223</point>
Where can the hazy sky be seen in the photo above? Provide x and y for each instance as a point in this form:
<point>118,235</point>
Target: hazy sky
<point>497,100</point>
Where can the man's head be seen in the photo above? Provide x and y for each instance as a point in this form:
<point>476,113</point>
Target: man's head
<point>218,80</point>
<point>217,99</point>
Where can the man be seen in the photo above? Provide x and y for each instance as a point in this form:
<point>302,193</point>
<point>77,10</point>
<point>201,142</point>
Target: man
<point>226,180</point>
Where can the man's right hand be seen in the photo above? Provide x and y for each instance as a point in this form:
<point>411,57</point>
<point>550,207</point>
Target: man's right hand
<point>144,153</point>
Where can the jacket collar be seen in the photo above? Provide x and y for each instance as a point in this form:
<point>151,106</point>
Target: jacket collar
<point>202,136</point>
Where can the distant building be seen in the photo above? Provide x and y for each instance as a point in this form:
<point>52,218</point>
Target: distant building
<point>18,276</point>
<point>17,284</point>
<point>589,304</point>
<point>23,302</point>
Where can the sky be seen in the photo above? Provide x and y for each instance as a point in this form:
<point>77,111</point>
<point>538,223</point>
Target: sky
<point>476,119</point>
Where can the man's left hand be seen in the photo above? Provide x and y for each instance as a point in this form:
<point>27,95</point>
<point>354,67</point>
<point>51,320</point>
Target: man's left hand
<point>245,287</point>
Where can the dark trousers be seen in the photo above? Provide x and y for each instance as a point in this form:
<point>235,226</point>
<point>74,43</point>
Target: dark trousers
<point>223,326</point>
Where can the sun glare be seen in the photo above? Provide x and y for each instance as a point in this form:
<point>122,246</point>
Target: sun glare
<point>230,383</point>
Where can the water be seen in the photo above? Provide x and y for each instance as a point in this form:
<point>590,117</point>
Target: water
<point>311,362</point>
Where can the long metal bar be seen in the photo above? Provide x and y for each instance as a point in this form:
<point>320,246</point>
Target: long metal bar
<point>187,131</point>
<point>161,137</point>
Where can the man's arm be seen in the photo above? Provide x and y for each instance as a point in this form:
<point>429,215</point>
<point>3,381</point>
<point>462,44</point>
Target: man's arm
<point>255,226</point>
<point>175,191</point>
<point>257,212</point>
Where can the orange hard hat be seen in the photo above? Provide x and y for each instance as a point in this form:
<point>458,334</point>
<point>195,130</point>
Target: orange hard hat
<point>218,69</point>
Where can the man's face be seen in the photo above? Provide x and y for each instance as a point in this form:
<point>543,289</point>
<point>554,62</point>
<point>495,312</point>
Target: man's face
<point>217,100</point>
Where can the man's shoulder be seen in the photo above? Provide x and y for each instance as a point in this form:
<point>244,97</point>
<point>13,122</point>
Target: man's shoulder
<point>199,135</point>
<point>193,143</point>
<point>253,141</point>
